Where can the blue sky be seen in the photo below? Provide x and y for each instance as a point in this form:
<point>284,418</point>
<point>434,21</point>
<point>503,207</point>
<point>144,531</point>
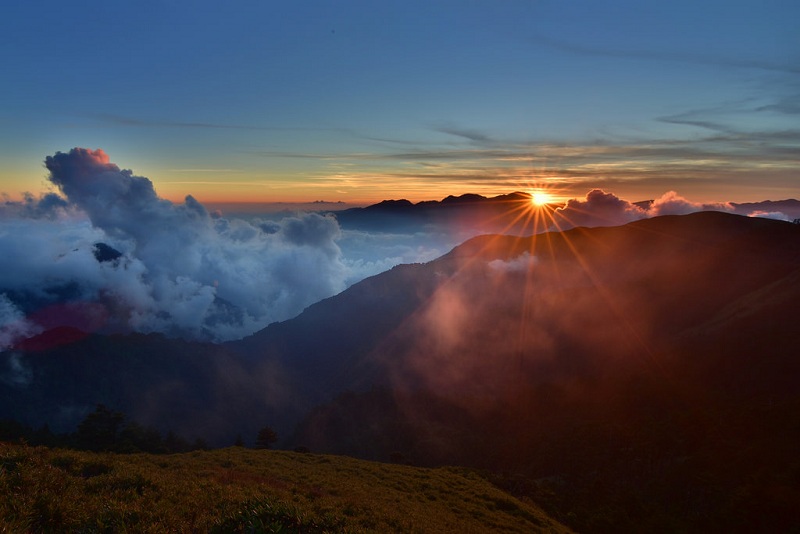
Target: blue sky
<point>361,101</point>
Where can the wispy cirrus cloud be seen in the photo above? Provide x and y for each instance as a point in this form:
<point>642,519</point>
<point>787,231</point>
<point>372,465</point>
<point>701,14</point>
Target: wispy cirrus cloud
<point>721,143</point>
<point>727,151</point>
<point>695,58</point>
<point>789,105</point>
<point>637,171</point>
<point>472,135</point>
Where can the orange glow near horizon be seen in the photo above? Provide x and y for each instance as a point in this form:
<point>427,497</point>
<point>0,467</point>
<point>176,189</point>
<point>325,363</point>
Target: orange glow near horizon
<point>230,185</point>
<point>236,195</point>
<point>540,198</point>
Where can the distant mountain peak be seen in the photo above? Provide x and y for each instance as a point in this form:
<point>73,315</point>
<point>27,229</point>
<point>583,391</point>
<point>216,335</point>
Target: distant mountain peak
<point>391,204</point>
<point>466,197</point>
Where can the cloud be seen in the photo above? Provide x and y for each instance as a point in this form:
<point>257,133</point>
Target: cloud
<point>600,208</point>
<point>48,206</point>
<point>666,55</point>
<point>13,325</point>
<point>789,105</point>
<point>776,215</point>
<point>597,209</point>
<point>695,118</point>
<point>727,143</point>
<point>671,203</point>
<point>474,136</point>
<point>370,253</point>
<point>521,264</point>
<point>179,270</point>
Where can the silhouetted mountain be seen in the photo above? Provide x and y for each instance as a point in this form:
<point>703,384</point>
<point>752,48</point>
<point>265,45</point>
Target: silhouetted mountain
<point>386,205</point>
<point>507,214</point>
<point>501,214</point>
<point>641,377</point>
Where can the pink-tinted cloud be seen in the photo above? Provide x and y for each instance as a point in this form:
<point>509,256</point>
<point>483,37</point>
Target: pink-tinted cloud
<point>601,208</point>
<point>777,215</point>
<point>597,209</point>
<point>671,203</point>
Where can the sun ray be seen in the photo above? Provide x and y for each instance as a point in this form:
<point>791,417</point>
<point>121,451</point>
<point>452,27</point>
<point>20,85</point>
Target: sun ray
<point>539,218</point>
<point>606,294</point>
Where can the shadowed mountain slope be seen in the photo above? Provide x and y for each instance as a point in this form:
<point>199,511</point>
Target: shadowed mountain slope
<point>651,370</point>
<point>641,284</point>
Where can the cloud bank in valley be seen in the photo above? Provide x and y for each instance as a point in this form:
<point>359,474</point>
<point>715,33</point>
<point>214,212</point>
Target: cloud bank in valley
<point>127,260</point>
<point>106,253</point>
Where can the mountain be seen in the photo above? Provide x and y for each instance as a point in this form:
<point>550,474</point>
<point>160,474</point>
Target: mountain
<point>640,377</point>
<point>472,214</point>
<point>500,214</point>
<point>636,288</point>
<point>657,361</point>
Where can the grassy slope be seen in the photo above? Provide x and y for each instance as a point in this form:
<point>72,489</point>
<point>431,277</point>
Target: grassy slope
<point>237,489</point>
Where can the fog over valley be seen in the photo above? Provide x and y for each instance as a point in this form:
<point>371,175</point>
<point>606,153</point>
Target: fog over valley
<point>103,252</point>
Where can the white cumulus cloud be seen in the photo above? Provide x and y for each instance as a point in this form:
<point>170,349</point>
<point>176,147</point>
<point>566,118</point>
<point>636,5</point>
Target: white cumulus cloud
<point>179,270</point>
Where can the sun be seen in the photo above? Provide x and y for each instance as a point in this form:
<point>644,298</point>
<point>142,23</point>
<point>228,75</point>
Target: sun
<point>540,198</point>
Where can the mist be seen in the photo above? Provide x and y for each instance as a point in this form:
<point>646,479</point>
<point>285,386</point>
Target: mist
<point>102,252</point>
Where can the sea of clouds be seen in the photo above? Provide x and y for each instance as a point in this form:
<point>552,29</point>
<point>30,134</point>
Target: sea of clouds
<point>104,253</point>
<point>162,267</point>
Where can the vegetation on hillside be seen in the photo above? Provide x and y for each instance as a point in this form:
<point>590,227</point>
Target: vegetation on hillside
<point>242,490</point>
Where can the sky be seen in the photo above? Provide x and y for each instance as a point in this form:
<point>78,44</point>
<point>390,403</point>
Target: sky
<point>359,101</point>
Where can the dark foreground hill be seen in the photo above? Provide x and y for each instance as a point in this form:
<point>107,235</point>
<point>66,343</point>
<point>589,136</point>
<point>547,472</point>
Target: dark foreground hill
<point>642,377</point>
